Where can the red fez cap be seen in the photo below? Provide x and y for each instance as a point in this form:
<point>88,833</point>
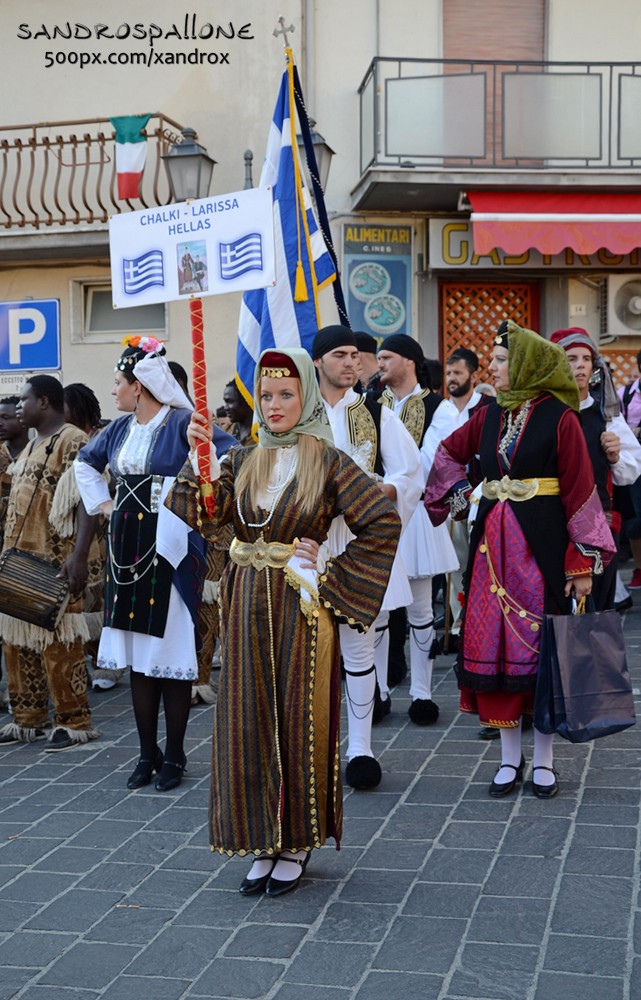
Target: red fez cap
<point>274,364</point>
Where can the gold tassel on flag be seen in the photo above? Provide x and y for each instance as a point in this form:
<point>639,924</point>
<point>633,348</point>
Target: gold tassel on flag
<point>300,287</point>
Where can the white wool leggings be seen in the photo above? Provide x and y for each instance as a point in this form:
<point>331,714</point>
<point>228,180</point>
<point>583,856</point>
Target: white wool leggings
<point>421,622</point>
<point>357,649</point>
<point>381,651</point>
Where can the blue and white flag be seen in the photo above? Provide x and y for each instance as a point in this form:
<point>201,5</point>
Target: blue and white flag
<point>244,254</point>
<point>286,314</point>
<point>142,272</point>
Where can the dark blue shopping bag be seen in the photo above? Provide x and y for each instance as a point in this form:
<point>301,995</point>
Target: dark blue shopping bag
<point>583,688</point>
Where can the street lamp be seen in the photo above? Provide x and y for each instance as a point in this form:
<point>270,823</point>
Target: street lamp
<point>189,168</point>
<point>248,157</point>
<point>322,150</point>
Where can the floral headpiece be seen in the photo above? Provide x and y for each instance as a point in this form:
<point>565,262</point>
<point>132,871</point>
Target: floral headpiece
<point>137,348</point>
<point>146,344</point>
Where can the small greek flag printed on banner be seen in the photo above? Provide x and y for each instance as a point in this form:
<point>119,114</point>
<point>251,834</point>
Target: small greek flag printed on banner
<point>244,254</point>
<point>143,272</point>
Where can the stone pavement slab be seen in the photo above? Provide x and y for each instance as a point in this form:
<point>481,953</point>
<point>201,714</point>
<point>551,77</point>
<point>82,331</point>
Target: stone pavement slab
<point>438,892</point>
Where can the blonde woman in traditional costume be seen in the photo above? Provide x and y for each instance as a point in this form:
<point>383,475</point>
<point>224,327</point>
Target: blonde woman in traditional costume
<point>276,781</point>
<point>539,536</point>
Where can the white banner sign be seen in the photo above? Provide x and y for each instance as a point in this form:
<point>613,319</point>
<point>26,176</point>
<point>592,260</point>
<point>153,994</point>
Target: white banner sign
<point>203,247</point>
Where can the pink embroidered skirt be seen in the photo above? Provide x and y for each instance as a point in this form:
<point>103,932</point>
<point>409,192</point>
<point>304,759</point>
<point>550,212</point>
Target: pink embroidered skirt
<point>502,623</point>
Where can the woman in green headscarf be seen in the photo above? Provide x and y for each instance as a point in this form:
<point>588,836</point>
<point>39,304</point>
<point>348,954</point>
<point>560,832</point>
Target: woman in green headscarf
<point>276,778</point>
<point>539,535</point>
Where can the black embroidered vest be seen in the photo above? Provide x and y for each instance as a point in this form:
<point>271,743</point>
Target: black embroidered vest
<point>541,519</point>
<point>417,411</point>
<point>364,424</point>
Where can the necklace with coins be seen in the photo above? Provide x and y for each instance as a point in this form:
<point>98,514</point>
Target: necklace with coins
<point>513,428</point>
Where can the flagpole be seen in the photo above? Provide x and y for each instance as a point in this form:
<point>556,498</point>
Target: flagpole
<point>207,500</point>
<point>319,195</point>
<point>312,166</point>
<point>286,313</point>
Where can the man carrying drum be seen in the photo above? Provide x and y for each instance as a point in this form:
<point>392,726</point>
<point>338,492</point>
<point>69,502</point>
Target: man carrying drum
<point>45,516</point>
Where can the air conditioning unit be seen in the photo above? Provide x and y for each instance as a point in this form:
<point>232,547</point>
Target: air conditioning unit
<point>624,305</point>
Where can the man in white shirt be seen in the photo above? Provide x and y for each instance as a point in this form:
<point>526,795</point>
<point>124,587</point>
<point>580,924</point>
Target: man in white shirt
<point>377,441</point>
<point>425,550</point>
<point>461,375</point>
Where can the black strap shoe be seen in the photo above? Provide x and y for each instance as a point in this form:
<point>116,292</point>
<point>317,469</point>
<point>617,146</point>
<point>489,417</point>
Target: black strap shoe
<point>278,886</point>
<point>498,789</point>
<point>171,774</point>
<point>545,791</point>
<point>252,886</point>
<point>144,770</point>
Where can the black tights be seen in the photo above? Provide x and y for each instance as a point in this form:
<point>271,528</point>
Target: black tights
<point>176,697</point>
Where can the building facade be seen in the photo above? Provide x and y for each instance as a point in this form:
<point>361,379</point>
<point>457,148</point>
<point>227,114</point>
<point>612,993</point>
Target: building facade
<point>486,163</point>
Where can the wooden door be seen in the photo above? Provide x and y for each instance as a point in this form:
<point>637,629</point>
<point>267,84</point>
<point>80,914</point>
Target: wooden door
<point>471,312</point>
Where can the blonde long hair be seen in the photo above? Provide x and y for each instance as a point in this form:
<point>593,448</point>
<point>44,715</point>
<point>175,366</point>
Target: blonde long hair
<point>256,472</point>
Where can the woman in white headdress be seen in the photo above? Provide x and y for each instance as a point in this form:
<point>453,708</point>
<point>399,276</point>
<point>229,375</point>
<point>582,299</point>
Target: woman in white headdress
<point>155,564</point>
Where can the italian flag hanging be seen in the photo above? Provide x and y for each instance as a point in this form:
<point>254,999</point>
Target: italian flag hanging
<point>131,153</point>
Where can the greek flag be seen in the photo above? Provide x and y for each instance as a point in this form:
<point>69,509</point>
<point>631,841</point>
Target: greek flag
<point>143,272</point>
<point>287,313</point>
<point>244,254</point>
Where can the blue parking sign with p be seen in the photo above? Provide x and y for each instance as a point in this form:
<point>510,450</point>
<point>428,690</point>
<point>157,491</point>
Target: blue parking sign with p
<point>30,335</point>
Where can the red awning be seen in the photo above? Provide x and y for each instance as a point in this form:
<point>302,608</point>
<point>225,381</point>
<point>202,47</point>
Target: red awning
<point>516,221</point>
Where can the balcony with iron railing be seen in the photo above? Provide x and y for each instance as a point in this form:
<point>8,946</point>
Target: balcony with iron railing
<point>430,126</point>
<point>60,177</point>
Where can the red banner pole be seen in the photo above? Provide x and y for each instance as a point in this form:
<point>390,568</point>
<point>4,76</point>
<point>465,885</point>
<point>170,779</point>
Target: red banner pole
<point>200,396</point>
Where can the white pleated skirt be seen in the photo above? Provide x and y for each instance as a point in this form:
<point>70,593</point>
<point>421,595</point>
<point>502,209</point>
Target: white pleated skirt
<point>399,592</point>
<point>172,655</point>
<point>426,550</point>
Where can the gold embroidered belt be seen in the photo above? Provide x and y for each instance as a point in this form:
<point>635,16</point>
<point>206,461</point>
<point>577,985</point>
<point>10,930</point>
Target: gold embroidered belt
<point>519,489</point>
<point>261,553</point>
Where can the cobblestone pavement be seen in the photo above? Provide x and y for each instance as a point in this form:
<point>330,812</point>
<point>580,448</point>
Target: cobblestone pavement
<point>438,891</point>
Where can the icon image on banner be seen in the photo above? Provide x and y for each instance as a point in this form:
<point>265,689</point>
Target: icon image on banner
<point>143,272</point>
<point>243,255</point>
<point>369,279</point>
<point>385,314</point>
<point>192,267</point>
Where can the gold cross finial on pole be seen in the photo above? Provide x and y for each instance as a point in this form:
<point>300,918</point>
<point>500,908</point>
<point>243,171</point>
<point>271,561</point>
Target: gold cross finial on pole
<point>283,31</point>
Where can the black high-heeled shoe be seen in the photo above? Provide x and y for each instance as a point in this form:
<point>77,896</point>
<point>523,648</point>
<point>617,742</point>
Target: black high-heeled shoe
<point>144,770</point>
<point>171,774</point>
<point>498,789</point>
<point>278,886</point>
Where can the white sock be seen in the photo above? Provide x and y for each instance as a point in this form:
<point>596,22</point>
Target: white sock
<point>621,592</point>
<point>510,754</point>
<point>421,665</point>
<point>543,757</point>
<point>421,621</point>
<point>260,867</point>
<point>359,690</point>
<point>284,871</point>
<point>381,653</point>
